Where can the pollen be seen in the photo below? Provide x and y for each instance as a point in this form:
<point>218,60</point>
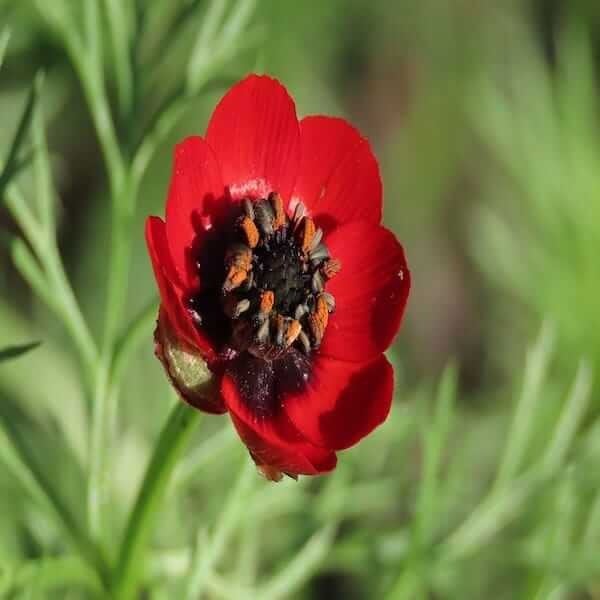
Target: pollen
<point>292,332</point>
<point>280,218</point>
<point>250,230</point>
<point>318,320</point>
<point>239,261</point>
<point>306,233</point>
<point>273,290</point>
<point>331,268</point>
<point>267,300</point>
<point>235,278</point>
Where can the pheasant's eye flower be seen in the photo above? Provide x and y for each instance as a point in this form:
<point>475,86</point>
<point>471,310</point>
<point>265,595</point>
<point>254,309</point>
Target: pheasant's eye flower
<point>280,290</point>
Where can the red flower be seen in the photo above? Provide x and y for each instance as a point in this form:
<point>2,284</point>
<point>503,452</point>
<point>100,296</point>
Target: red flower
<point>280,290</point>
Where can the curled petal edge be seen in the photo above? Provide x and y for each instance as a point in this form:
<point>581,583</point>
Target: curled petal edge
<point>187,370</point>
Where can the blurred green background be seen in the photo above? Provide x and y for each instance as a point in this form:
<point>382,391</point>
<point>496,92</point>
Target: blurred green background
<point>484,481</point>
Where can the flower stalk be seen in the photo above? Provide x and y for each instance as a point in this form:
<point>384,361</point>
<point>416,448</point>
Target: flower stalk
<point>173,439</point>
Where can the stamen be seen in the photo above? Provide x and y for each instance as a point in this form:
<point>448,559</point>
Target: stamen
<point>316,240</point>
<point>250,232</point>
<point>262,335</point>
<point>235,278</point>
<point>331,268</point>
<point>329,300</point>
<point>274,287</point>
<point>319,253</point>
<point>234,309</point>
<point>301,310</point>
<point>304,341</point>
<point>299,213</point>
<point>317,282</point>
<point>239,261</point>
<point>306,233</point>
<point>267,299</point>
<point>264,216</point>
<point>248,284</point>
<point>279,330</point>
<point>286,331</point>
<point>280,218</point>
<point>248,208</point>
<point>318,320</point>
<point>239,255</point>
<point>293,331</point>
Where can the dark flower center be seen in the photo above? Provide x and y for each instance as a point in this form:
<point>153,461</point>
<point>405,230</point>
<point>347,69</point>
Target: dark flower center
<point>262,299</point>
<point>274,280</point>
<point>278,267</point>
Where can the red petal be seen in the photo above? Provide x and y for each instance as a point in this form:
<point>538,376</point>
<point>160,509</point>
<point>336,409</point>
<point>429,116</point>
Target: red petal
<point>195,200</point>
<point>343,402</point>
<point>170,292</point>
<point>339,177</point>
<point>255,135</point>
<point>370,291</point>
<point>273,440</point>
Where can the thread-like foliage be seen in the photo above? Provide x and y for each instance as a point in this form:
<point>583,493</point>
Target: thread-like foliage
<point>475,487</point>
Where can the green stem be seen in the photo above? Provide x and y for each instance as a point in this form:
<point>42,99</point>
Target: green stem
<point>302,567</point>
<point>95,95</point>
<point>72,315</point>
<point>104,390</point>
<point>165,119</point>
<point>16,456</point>
<point>118,271</point>
<point>96,488</point>
<point>4,39</point>
<point>171,443</point>
<point>164,123</point>
<point>138,330</point>
<point>53,285</point>
<point>212,551</point>
<point>408,585</point>
<point>51,573</point>
<point>10,164</point>
<point>85,55</point>
<point>120,38</point>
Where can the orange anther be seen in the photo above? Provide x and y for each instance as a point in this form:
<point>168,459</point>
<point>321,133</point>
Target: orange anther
<point>235,277</point>
<point>293,331</point>
<point>240,256</point>
<point>321,311</point>
<point>267,300</point>
<point>306,233</point>
<point>239,263</point>
<point>280,218</point>
<point>250,232</point>
<point>318,320</point>
<point>331,268</point>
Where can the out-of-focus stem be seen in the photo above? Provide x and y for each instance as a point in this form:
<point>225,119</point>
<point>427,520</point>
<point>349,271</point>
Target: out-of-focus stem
<point>121,234</point>
<point>53,285</point>
<point>211,553</point>
<point>16,456</point>
<point>96,498</point>
<point>172,441</point>
<point>104,393</point>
